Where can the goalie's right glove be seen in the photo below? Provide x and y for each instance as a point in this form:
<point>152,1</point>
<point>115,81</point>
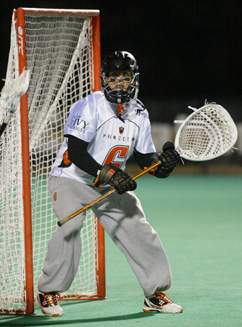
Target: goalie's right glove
<point>169,159</point>
<point>117,178</point>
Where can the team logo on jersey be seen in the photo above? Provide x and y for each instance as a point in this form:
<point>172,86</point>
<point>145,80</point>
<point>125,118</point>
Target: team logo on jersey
<point>121,130</point>
<point>138,111</point>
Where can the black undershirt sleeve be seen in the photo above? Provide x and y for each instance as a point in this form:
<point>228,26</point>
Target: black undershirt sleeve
<point>77,154</point>
<point>145,160</point>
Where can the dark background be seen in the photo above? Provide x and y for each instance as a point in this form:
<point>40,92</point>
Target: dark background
<point>187,51</point>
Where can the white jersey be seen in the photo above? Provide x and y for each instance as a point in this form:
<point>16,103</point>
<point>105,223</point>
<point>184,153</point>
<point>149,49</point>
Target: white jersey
<point>111,139</point>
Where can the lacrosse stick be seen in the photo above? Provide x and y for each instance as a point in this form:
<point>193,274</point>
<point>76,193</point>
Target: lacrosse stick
<point>205,134</point>
<point>11,95</point>
<point>63,221</point>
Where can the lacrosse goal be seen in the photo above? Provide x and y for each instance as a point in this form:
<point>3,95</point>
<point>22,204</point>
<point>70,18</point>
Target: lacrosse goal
<point>61,48</point>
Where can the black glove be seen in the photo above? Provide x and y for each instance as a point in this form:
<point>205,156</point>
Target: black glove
<point>120,180</point>
<point>169,159</point>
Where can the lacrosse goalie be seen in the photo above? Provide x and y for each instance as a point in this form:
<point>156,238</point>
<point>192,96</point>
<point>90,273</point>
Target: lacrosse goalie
<point>102,131</point>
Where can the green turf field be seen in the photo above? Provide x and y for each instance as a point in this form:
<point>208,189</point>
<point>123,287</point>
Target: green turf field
<point>199,220</point>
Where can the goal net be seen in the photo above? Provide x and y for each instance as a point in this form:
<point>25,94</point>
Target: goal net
<point>58,47</point>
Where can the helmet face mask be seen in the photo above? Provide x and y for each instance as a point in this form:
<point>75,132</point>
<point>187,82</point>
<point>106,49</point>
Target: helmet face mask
<point>120,77</point>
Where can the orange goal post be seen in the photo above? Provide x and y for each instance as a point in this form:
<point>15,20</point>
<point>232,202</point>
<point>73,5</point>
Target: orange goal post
<point>61,49</point>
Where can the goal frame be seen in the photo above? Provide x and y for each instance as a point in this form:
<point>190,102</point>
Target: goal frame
<point>20,26</point>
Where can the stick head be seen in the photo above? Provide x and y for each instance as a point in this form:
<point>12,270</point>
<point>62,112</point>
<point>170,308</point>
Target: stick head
<point>22,83</point>
<point>12,93</point>
<point>19,87</point>
<point>206,134</point>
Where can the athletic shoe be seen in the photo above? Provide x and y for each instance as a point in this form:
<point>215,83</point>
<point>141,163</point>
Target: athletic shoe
<point>161,303</point>
<point>48,304</point>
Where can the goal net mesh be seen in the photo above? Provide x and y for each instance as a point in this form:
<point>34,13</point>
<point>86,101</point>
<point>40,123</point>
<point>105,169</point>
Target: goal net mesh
<point>59,56</point>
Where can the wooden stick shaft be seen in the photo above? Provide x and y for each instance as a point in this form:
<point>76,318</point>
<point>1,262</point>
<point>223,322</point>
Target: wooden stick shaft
<point>63,221</point>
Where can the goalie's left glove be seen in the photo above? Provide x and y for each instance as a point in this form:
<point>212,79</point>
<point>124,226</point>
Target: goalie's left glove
<point>169,159</point>
<point>117,178</point>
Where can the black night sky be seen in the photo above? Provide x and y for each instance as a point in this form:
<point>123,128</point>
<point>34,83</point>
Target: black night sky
<point>187,51</point>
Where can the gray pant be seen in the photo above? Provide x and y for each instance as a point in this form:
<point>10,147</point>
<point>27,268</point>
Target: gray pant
<point>122,217</point>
